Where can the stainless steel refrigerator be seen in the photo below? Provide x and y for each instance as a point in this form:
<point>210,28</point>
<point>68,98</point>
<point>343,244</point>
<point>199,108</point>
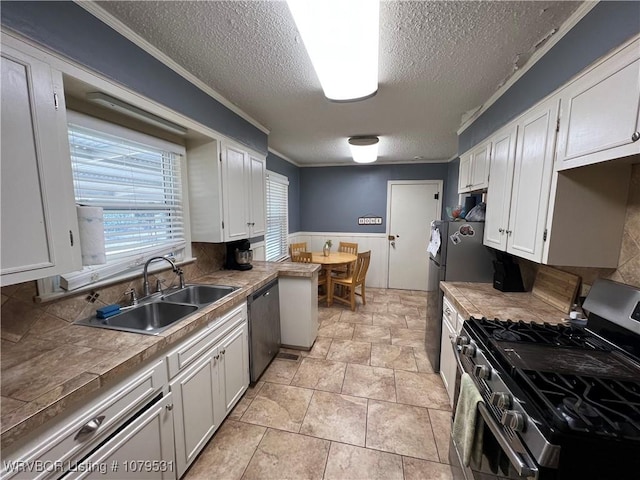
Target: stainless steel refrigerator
<point>459,257</point>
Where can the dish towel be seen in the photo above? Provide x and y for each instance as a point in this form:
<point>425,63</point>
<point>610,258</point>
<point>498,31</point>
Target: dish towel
<point>468,425</point>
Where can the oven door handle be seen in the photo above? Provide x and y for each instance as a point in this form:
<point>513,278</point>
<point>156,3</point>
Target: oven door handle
<point>519,464</point>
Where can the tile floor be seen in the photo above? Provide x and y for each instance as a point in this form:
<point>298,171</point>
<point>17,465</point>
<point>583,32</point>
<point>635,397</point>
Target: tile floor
<point>363,403</point>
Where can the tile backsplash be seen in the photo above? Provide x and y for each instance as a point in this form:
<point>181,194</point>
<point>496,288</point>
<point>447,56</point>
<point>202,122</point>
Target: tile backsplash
<point>20,312</point>
<point>628,270</point>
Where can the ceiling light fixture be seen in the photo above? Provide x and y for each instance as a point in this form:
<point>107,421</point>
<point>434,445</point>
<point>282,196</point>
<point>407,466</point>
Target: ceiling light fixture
<point>113,103</point>
<point>341,38</point>
<point>364,149</point>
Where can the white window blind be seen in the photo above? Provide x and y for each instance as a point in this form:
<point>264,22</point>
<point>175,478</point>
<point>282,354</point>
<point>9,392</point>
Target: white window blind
<point>276,239</point>
<point>137,181</point>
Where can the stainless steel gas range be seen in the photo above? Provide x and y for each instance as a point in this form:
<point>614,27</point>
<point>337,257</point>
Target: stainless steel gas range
<point>560,402</point>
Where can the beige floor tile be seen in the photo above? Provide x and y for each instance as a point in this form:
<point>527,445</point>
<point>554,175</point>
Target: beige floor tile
<point>280,371</point>
<point>413,300</point>
<point>279,406</point>
<point>415,469</point>
<point>356,317</point>
<point>372,307</point>
<point>369,382</point>
<point>288,456</point>
<point>441,424</point>
<point>422,361</point>
<point>320,348</point>
<point>416,323</point>
<point>320,374</point>
<point>421,389</point>
<point>407,337</point>
<point>401,309</point>
<point>371,333</point>
<point>393,356</point>
<point>343,331</point>
<point>355,463</point>
<point>349,351</point>
<point>228,453</point>
<point>253,390</point>
<point>386,298</point>
<point>240,408</point>
<point>389,320</point>
<point>329,314</point>
<point>336,417</point>
<point>388,425</point>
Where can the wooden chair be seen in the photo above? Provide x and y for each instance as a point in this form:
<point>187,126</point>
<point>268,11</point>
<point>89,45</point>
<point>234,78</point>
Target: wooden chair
<point>296,248</point>
<point>351,282</point>
<point>346,247</point>
<point>306,257</point>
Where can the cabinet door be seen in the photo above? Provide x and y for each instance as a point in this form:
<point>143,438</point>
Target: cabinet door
<point>499,189</point>
<point>480,166</point>
<point>197,408</point>
<point>532,181</point>
<point>599,112</point>
<point>258,195</point>
<point>234,365</point>
<point>235,171</point>
<point>464,173</point>
<point>143,449</point>
<point>447,359</point>
<point>39,224</point>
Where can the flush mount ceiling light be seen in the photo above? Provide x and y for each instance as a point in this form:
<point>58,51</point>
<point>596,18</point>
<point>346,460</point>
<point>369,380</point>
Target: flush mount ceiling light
<point>113,103</point>
<point>341,38</point>
<point>364,149</point>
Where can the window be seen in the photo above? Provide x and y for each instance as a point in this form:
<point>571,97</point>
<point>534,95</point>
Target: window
<point>277,236</point>
<point>137,180</point>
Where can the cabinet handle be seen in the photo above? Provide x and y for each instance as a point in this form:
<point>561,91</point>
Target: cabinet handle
<point>635,137</point>
<point>217,357</point>
<point>169,406</point>
<point>448,311</point>
<point>501,230</point>
<point>89,428</point>
<point>508,232</point>
<point>223,351</point>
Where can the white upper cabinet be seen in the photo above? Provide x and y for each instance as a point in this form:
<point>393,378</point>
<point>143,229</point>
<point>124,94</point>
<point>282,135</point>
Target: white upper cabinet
<point>39,224</point>
<point>226,192</point>
<point>533,166</point>
<point>599,112</point>
<point>474,168</point>
<point>499,192</point>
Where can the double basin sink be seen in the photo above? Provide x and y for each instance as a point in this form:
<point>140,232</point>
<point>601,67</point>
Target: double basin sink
<point>160,311</point>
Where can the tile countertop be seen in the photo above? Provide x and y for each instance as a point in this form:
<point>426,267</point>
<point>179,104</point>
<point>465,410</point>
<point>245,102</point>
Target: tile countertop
<point>56,365</point>
<point>482,300</point>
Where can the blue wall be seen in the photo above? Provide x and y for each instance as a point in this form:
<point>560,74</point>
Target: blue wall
<point>73,32</point>
<point>606,26</point>
<point>451,186</point>
<point>332,198</point>
<point>281,166</point>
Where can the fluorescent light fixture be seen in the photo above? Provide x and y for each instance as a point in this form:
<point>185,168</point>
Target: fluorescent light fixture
<point>364,149</point>
<point>341,38</point>
<point>135,112</point>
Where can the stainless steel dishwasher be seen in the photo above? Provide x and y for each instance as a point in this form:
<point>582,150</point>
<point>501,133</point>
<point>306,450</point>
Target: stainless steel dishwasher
<point>264,328</point>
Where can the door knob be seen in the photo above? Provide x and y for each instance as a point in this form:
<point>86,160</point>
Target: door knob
<point>391,238</point>
<point>635,137</point>
<point>393,244</point>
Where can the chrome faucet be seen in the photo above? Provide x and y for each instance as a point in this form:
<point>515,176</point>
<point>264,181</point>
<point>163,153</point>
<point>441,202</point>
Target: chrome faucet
<point>177,270</point>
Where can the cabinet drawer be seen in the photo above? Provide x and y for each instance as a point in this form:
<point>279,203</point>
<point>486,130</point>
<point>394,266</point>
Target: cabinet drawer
<point>449,312</point>
<point>79,436</point>
<point>194,347</point>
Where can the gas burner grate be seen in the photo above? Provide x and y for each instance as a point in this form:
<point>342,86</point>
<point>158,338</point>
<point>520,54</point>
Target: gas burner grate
<point>598,406</point>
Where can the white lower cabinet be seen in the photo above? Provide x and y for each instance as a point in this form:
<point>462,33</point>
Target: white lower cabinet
<point>298,311</point>
<point>448,363</point>
<point>142,450</point>
<point>211,374</point>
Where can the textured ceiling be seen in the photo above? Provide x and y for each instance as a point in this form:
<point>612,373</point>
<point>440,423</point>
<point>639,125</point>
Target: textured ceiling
<point>438,60</point>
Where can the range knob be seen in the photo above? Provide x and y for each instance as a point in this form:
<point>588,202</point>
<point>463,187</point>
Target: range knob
<point>462,340</point>
<point>469,350</point>
<point>513,419</point>
<point>501,400</point>
<point>483,372</point>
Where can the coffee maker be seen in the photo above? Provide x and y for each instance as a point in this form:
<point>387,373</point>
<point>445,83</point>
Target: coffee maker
<point>506,274</point>
<point>239,255</point>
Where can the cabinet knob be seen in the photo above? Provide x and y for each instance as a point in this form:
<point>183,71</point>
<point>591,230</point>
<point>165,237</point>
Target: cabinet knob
<point>635,137</point>
<point>223,352</point>
<point>169,406</point>
<point>501,230</point>
<point>217,357</point>
<point>508,232</point>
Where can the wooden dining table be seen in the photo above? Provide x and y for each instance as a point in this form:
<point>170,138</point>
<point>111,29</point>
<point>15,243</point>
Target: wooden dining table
<point>329,262</point>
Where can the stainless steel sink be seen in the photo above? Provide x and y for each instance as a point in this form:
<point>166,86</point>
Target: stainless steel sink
<point>157,313</point>
<point>199,294</point>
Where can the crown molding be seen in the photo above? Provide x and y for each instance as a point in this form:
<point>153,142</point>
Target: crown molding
<point>129,34</point>
<point>571,22</point>
<point>284,157</point>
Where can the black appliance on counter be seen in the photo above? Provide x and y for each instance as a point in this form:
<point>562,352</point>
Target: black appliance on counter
<point>560,401</point>
<point>506,274</point>
<point>239,255</point>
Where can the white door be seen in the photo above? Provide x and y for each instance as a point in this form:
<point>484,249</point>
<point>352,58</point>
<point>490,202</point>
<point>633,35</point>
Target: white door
<point>411,207</point>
